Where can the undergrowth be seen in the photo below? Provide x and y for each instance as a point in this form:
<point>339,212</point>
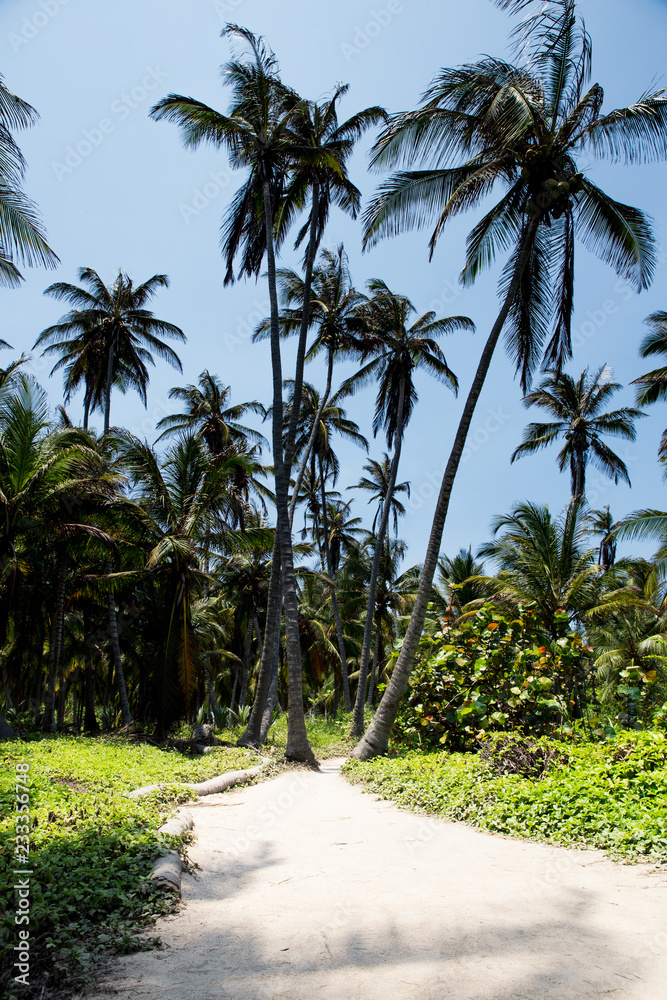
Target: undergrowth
<point>610,795</point>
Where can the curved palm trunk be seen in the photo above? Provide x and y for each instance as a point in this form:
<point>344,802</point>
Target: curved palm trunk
<point>55,645</point>
<point>358,719</point>
<point>90,723</point>
<point>252,735</point>
<point>376,739</point>
<point>298,747</point>
<point>115,654</point>
<point>326,566</point>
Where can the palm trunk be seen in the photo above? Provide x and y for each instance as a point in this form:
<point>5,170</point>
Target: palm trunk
<point>376,739</point>
<point>579,486</point>
<point>252,734</point>
<point>115,654</point>
<point>90,723</point>
<point>86,411</point>
<point>246,661</point>
<point>272,697</point>
<point>298,747</point>
<point>358,720</point>
<point>55,645</point>
<point>212,700</point>
<point>311,440</point>
<point>107,385</point>
<point>375,672</point>
<point>332,591</point>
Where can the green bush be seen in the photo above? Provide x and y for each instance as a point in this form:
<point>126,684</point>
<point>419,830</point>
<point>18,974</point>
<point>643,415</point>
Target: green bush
<point>491,673</point>
<point>610,795</point>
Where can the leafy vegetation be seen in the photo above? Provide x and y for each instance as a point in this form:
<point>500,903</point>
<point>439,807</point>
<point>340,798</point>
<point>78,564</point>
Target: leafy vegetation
<point>610,795</point>
<point>91,847</point>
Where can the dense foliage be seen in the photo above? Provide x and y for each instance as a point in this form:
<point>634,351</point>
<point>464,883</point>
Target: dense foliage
<point>490,672</point>
<point>609,795</point>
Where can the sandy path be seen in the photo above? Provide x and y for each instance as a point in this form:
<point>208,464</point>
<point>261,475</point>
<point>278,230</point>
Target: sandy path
<point>310,889</point>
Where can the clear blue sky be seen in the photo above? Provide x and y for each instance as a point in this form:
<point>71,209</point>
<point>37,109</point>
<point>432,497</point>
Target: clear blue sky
<point>137,199</point>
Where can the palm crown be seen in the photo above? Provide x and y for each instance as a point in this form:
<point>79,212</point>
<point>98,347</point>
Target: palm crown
<point>109,337</point>
<point>525,128</point>
<point>580,423</point>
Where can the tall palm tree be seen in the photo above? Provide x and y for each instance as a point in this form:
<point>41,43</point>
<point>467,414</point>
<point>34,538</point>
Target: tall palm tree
<point>525,128</point>
<point>580,424</point>
<point>209,415</point>
<point>397,351</point>
<point>260,135</point>
<point>22,236</point>
<point>377,484</point>
<point>108,338</point>
<point>652,387</point>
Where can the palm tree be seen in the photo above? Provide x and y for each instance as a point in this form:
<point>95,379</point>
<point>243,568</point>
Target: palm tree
<point>259,133</point>
<point>601,522</point>
<point>397,351</point>
<point>523,127</point>
<point>456,586</point>
<point>580,424</point>
<point>652,387</point>
<point>108,338</point>
<point>22,235</point>
<point>209,415</point>
<point>377,484</point>
<point>544,565</point>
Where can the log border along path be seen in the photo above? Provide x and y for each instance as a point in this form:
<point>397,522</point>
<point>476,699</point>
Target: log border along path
<point>309,889</point>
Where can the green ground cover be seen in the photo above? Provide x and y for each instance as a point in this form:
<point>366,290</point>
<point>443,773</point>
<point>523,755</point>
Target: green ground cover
<point>91,848</point>
<point>610,795</point>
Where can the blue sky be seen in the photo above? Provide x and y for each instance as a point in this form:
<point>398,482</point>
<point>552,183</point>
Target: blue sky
<point>133,197</point>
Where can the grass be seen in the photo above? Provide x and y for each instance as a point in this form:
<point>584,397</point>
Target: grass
<point>91,849</point>
<point>611,796</point>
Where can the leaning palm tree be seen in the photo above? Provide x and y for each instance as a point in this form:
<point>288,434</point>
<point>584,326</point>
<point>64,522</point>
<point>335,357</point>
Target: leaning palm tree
<point>397,350</point>
<point>108,338</point>
<point>652,387</point>
<point>524,128</point>
<point>21,233</point>
<point>260,135</point>
<point>580,424</point>
<point>209,415</point>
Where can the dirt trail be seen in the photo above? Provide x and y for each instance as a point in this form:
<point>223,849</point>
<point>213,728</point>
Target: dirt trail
<point>310,889</point>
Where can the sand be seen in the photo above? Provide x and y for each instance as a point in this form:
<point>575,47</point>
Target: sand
<point>309,889</point>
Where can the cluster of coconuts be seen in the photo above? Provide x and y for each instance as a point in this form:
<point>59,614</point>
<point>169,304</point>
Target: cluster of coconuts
<point>553,189</point>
